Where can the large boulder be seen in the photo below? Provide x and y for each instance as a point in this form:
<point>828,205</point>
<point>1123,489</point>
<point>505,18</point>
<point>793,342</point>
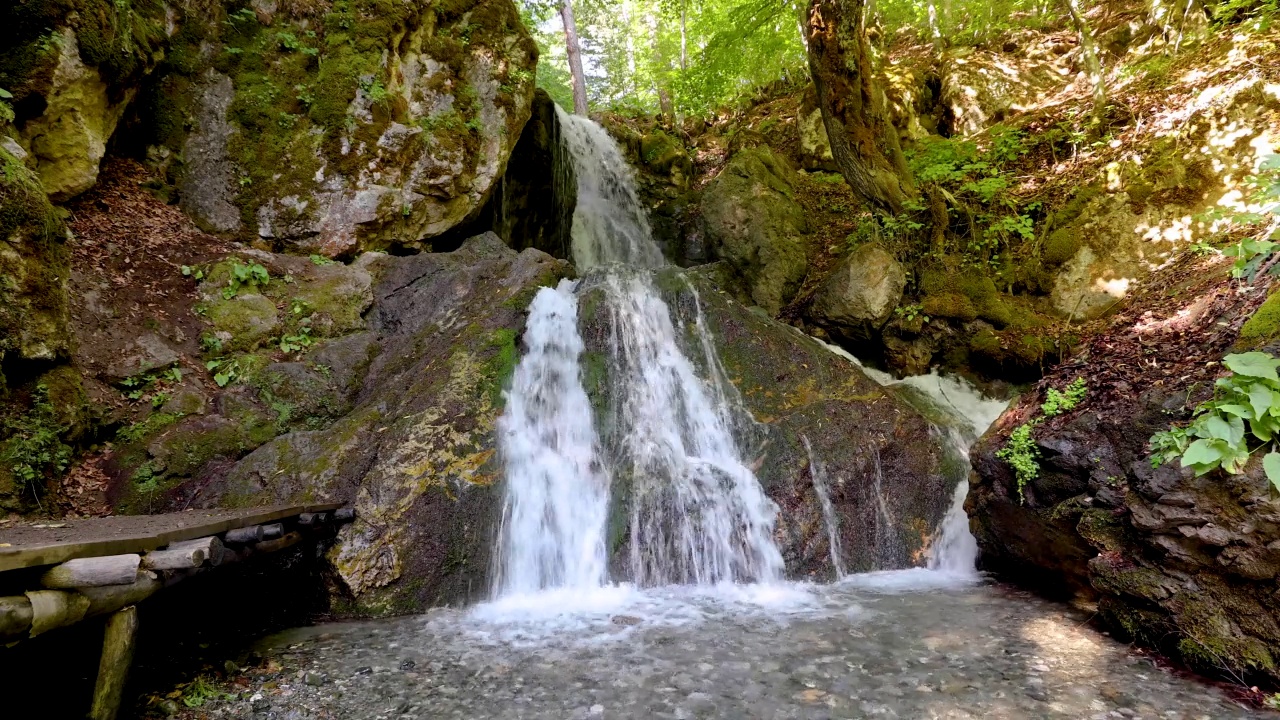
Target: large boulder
<point>981,88</point>
<point>807,418</point>
<point>415,453</point>
<point>860,295</point>
<point>342,129</point>
<point>1180,563</point>
<point>753,222</point>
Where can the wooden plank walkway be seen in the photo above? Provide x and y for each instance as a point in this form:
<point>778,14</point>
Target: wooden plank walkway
<point>49,542</point>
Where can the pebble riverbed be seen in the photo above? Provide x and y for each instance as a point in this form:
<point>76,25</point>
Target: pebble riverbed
<point>893,645</point>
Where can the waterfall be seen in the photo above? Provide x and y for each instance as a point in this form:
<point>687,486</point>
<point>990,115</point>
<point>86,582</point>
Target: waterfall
<point>819,476</point>
<point>552,530</point>
<point>697,512</point>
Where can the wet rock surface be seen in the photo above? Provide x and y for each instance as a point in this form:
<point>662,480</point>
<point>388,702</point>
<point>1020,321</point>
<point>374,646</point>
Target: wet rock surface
<point>838,652</point>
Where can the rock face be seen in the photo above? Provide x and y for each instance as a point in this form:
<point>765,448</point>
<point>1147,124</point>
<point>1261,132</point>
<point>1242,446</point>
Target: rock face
<point>861,293</point>
<point>753,222</point>
<point>889,485</point>
<point>981,88</point>
<point>368,125</point>
<point>72,68</point>
<point>415,453</point>
<point>33,268</point>
<point>1184,564</point>
<point>533,204</point>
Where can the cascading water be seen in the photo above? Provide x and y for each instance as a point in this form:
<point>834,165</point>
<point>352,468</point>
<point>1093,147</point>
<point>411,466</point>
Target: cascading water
<point>698,513</point>
<point>557,497</point>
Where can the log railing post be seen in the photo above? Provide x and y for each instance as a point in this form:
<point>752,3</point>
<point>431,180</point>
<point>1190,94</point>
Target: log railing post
<point>113,669</point>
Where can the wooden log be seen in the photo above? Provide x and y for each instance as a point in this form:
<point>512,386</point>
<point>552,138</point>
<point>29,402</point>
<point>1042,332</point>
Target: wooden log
<point>244,535</point>
<point>177,559</point>
<point>214,550</point>
<point>113,668</point>
<point>310,519</point>
<point>272,531</point>
<point>15,617</point>
<point>267,546</point>
<point>103,600</point>
<point>344,515</point>
<point>52,609</point>
<point>93,572</point>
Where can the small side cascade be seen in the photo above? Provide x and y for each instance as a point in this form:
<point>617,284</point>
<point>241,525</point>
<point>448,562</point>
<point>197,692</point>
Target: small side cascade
<point>819,475</point>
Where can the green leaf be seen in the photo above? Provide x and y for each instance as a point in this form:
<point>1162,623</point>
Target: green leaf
<point>1218,428</point>
<point>1252,364</point>
<point>1271,463</point>
<point>1202,452</point>
<point>1239,411</point>
<point>1261,398</point>
<point>5,94</point>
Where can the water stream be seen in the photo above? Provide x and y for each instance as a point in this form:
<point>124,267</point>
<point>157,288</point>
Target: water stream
<point>698,621</point>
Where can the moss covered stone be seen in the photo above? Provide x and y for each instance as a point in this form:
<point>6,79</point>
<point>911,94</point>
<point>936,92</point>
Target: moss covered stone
<point>34,267</point>
<point>1264,324</point>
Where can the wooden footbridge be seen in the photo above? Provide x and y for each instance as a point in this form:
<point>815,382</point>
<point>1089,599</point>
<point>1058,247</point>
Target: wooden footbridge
<point>59,573</point>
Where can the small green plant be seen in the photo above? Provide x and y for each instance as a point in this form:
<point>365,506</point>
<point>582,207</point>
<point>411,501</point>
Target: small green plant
<point>320,260</point>
<point>1244,411</point>
<point>1056,403</point>
<point>296,342</point>
<point>1021,452</point>
<point>909,313</point>
<point>1273,701</point>
<point>224,371</point>
<point>192,272</point>
<point>35,450</point>
<point>375,90</point>
<point>252,275</point>
<point>200,692</point>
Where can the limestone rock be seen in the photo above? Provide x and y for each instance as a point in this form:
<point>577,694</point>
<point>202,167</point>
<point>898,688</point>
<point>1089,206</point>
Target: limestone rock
<point>980,88</point>
<point>753,222</point>
<point>860,294</point>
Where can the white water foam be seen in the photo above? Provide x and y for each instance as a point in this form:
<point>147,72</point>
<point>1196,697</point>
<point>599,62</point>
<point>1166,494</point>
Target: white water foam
<point>819,475</point>
<point>556,504</point>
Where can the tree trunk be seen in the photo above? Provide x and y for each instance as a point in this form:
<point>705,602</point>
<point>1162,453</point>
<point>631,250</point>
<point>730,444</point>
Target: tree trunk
<point>574,52</point>
<point>864,144</point>
<point>1092,64</point>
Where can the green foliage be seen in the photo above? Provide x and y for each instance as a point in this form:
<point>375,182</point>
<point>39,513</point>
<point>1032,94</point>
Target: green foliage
<point>320,260</point>
<point>1256,228</point>
<point>1234,12</point>
<point>910,313</point>
<point>296,342</point>
<point>225,371</point>
<point>1244,412</point>
<point>192,272</point>
<point>35,450</point>
<point>1021,452</point>
<point>1057,403</point>
<point>242,275</point>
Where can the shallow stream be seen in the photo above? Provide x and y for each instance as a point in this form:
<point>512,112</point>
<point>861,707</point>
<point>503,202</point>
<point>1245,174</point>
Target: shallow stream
<point>906,644</point>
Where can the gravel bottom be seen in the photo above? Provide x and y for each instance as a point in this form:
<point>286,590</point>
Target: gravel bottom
<point>894,645</point>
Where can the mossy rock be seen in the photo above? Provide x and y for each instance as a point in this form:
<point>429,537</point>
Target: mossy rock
<point>243,321</point>
<point>949,305</point>
<point>1264,324</point>
<point>378,123</point>
<point>34,266</point>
